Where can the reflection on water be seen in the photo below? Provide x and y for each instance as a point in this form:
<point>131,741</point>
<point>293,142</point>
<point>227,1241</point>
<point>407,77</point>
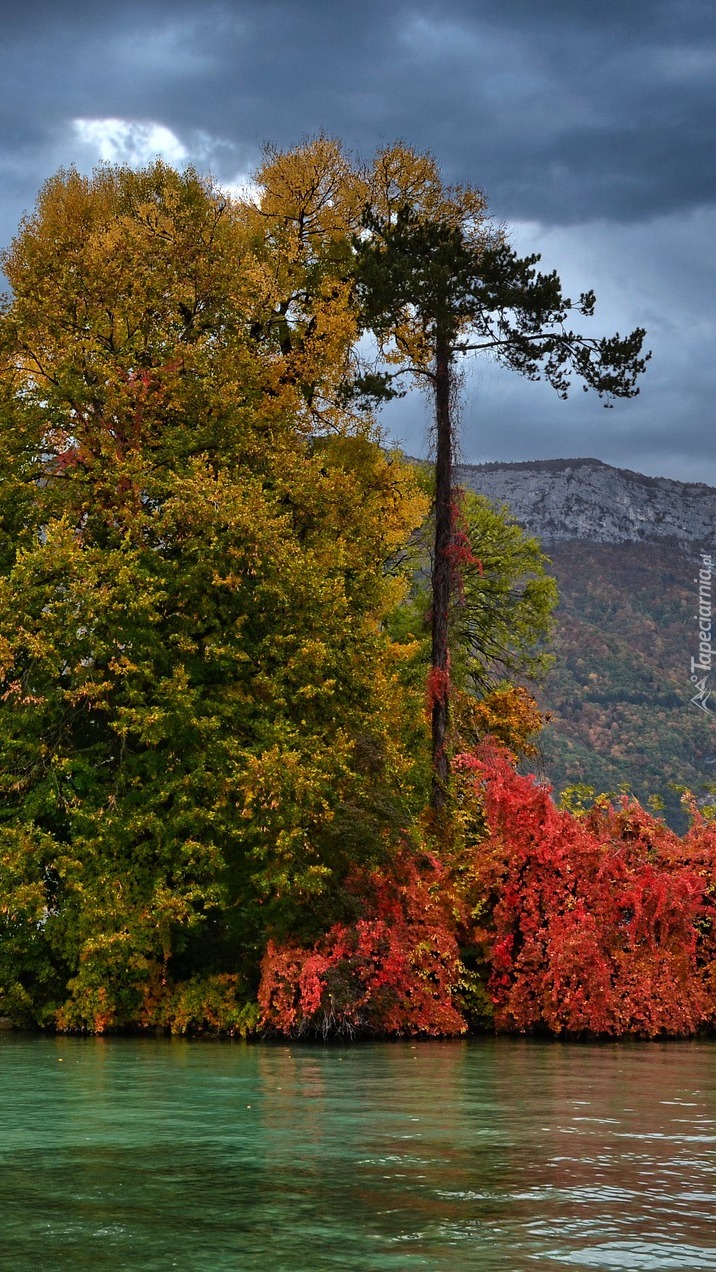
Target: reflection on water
<point>487,1154</point>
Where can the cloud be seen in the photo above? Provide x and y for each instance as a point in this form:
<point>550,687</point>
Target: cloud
<point>125,141</point>
<point>561,112</point>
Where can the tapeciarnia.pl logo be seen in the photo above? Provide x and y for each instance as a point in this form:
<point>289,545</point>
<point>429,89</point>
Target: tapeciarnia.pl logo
<point>701,665</point>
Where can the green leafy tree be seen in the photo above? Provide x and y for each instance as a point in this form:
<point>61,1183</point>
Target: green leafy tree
<point>503,599</point>
<point>500,619</point>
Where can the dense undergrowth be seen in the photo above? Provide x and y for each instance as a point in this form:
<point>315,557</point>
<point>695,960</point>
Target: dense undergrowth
<point>597,924</point>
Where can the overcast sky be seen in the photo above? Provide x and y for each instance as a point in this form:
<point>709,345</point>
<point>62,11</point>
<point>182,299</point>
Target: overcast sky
<point>589,124</point>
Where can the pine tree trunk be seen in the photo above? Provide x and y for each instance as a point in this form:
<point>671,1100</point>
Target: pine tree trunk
<point>441,578</point>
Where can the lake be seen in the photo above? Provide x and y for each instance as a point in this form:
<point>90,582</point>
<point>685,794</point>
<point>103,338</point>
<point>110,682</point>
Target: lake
<point>482,1154</point>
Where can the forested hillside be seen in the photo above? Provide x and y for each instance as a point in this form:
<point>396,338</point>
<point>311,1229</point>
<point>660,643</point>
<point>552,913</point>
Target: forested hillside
<point>619,691</point>
<point>625,550</point>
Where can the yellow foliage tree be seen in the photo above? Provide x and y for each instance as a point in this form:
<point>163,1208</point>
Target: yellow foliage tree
<point>201,716</point>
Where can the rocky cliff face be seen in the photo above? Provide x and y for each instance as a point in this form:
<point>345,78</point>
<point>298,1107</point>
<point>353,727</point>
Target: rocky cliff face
<point>586,499</point>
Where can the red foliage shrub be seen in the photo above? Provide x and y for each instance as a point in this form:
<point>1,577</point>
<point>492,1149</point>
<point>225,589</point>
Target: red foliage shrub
<point>393,972</point>
<point>598,925</point>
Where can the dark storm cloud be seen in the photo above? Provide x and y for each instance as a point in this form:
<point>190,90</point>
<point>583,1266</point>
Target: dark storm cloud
<point>590,124</point>
<point>562,111</point>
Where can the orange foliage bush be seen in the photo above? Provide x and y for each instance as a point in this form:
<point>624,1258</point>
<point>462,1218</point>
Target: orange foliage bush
<point>508,715</point>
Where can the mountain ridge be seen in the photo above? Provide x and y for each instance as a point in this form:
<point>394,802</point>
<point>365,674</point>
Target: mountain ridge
<point>588,499</point>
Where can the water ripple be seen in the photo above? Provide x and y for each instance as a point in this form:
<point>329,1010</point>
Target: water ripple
<point>493,1155</point>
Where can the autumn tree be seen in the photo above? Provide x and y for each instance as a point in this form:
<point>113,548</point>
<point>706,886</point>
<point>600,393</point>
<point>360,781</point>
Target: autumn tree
<point>437,280</point>
<point>212,735</point>
<point>200,712</point>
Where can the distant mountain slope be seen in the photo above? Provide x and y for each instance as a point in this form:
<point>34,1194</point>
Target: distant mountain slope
<point>625,552</point>
<point>619,693</point>
<point>586,499</point>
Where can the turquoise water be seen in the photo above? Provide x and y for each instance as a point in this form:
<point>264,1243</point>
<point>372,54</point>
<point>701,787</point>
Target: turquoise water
<point>487,1154</point>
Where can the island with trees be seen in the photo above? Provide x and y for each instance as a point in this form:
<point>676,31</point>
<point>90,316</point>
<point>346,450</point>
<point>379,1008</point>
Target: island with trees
<point>264,730</point>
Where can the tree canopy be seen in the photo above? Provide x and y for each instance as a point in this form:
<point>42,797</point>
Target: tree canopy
<point>198,693</point>
<point>217,588</point>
